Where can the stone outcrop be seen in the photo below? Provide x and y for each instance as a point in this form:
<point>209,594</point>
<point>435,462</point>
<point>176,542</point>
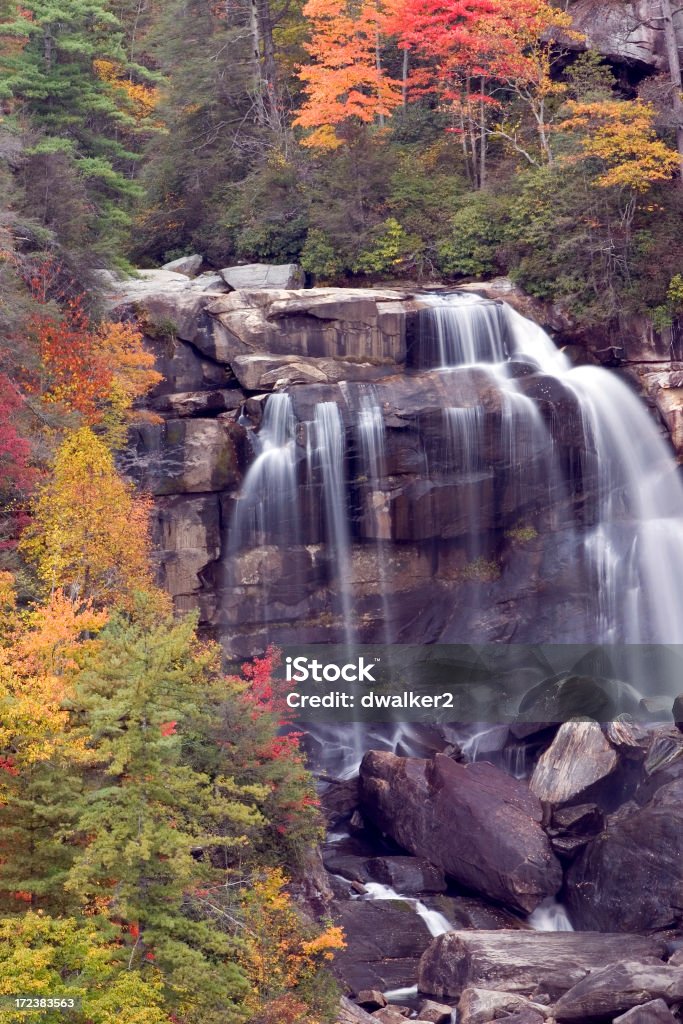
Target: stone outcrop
<point>481,826</point>
<point>625,33</point>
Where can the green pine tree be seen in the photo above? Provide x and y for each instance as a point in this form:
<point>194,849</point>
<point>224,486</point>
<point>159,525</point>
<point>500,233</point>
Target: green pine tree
<point>154,824</point>
<point>49,76</point>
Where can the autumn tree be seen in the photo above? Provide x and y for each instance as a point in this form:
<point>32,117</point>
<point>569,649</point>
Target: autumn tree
<point>89,533</point>
<point>70,957</point>
<point>346,80</point>
<point>619,136</point>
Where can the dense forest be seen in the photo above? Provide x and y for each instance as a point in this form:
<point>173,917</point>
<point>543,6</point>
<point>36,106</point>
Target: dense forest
<point>148,802</point>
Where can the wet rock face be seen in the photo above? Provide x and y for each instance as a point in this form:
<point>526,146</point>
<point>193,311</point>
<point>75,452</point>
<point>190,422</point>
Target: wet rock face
<point>386,941</point>
<point>481,826</point>
<point>448,540</point>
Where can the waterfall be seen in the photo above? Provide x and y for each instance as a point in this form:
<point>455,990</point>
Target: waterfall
<point>435,922</point>
<point>267,509</point>
<point>636,545</point>
<point>488,439</point>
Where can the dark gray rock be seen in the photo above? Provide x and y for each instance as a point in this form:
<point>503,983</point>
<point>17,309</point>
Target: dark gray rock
<point>476,822</point>
<point>409,876</point>
<point>612,990</point>
<point>656,1012</point>
<point>629,878</point>
<point>385,939</point>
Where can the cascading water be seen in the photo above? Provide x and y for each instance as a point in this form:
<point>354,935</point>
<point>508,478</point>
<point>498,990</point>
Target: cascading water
<point>508,440</point>
<point>328,454</point>
<point>267,511</point>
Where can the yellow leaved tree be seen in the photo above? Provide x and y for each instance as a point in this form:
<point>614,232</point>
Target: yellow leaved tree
<point>620,136</point>
<point>89,535</point>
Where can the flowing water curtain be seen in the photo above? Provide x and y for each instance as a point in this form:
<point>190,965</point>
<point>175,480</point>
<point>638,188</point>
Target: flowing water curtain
<point>266,523</point>
<point>326,455</point>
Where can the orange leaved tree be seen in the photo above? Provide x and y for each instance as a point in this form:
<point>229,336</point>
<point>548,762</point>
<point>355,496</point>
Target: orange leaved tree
<point>346,81</point>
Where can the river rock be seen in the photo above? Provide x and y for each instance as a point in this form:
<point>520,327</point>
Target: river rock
<point>350,1013</point>
<point>409,876</point>
<point>437,1013</point>
<point>474,821</point>
<point>611,990</point>
<point>264,275</point>
<point>385,939</point>
<point>656,1012</point>
<point>523,963</point>
<point>629,878</point>
<point>576,760</point>
<point>188,265</point>
<point>480,1006</point>
<point>371,999</point>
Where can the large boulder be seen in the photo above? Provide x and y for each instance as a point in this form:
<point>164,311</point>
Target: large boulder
<point>611,990</point>
<point>188,265</point>
<point>629,878</point>
<point>578,758</point>
<point>481,1006</point>
<point>475,821</point>
<point>264,275</point>
<point>525,963</point>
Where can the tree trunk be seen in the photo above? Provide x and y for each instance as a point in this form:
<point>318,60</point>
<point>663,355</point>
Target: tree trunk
<point>268,65</point>
<point>378,64</point>
<point>404,79</point>
<point>255,30</point>
<point>674,61</point>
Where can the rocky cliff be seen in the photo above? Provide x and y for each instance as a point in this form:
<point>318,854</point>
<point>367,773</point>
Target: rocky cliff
<point>222,353</point>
